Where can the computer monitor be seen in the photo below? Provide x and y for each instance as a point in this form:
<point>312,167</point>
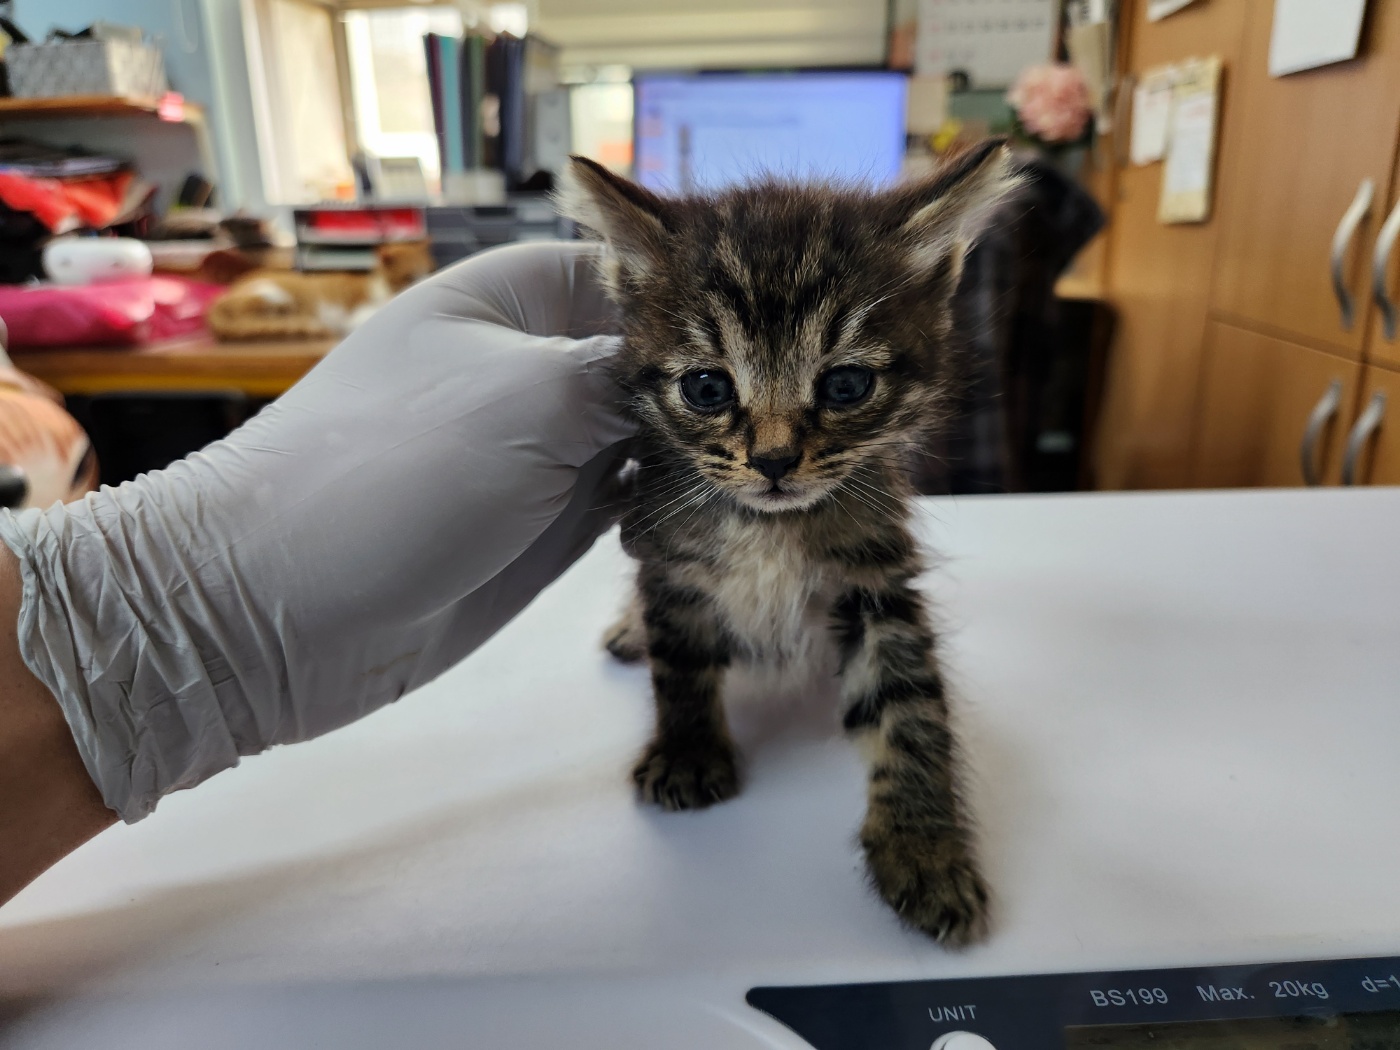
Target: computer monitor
<point>704,131</point>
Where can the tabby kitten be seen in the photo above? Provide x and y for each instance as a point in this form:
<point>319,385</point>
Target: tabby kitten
<point>784,346</point>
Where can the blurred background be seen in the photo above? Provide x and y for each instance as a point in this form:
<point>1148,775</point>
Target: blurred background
<point>1193,289</point>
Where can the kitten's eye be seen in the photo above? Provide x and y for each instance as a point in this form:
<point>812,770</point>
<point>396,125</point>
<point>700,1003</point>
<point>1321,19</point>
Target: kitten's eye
<point>707,390</point>
<point>846,385</point>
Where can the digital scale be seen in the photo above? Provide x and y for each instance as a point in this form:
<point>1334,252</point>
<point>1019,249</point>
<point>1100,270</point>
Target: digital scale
<point>1181,717</point>
<point>1351,1004</point>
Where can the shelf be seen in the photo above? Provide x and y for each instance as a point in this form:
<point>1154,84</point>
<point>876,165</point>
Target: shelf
<point>78,106</point>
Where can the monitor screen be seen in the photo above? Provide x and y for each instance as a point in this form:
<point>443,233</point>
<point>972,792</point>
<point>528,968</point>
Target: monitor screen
<point>708,130</point>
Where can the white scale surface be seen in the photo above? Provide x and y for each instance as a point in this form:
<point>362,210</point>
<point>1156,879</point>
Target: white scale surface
<point>1182,712</point>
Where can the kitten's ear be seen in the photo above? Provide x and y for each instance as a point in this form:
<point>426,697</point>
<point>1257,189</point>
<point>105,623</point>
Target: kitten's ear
<point>944,214</point>
<point>631,219</point>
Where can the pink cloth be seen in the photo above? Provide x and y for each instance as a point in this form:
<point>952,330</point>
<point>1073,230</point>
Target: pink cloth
<point>114,313</point>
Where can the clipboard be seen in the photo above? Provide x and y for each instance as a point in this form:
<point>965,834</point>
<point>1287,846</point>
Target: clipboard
<point>1188,177</point>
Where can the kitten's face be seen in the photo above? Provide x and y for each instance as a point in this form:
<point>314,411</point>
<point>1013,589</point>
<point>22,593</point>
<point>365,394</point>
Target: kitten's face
<point>774,379</point>
<point>784,340</point>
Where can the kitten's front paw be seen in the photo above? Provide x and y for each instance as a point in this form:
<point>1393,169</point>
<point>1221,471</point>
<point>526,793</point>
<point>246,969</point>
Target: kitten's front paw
<point>689,774</point>
<point>626,641</point>
<point>930,881</point>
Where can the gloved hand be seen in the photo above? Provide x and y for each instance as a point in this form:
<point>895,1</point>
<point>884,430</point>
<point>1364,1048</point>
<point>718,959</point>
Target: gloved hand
<point>358,537</point>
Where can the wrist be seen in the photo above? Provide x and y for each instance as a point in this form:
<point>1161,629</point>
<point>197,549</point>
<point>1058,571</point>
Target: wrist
<point>48,804</point>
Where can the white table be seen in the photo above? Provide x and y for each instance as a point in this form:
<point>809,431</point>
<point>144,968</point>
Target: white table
<point>1182,711</point>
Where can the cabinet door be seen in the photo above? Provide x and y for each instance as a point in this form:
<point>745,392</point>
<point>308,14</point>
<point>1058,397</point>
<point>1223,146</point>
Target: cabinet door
<point>1377,453</point>
<point>1300,148</point>
<point>1257,396</point>
<point>1159,277</point>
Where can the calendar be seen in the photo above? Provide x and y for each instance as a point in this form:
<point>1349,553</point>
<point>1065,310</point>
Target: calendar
<point>989,40</point>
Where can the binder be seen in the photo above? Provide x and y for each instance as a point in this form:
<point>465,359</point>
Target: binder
<point>451,65</point>
<point>506,80</point>
<point>463,75</point>
<point>474,93</point>
<point>433,55</point>
<point>513,111</point>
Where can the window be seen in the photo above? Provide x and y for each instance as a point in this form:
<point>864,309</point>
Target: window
<point>329,79</point>
<point>297,101</point>
<point>389,81</point>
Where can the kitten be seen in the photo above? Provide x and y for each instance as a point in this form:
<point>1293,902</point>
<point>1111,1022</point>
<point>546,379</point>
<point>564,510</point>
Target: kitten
<point>285,304</point>
<point>783,348</point>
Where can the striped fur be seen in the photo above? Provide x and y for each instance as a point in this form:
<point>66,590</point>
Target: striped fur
<point>774,286</point>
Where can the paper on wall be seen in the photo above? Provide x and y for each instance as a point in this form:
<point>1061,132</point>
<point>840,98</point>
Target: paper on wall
<point>1188,175</point>
<point>1188,166</point>
<point>1159,9</point>
<point>1091,51</point>
<point>990,40</point>
<point>1310,33</point>
<point>927,106</point>
<point>1152,110</point>
<point>1086,12</point>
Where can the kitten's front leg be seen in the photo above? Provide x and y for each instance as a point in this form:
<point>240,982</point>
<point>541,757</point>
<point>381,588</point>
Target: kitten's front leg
<point>918,844</point>
<point>626,639</point>
<point>690,762</point>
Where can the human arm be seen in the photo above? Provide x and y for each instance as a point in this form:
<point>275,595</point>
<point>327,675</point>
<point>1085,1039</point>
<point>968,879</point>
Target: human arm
<point>354,540</point>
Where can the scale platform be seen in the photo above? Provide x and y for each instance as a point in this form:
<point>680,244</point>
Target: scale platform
<point>1181,714</point>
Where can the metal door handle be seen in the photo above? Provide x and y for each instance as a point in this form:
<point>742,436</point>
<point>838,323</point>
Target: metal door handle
<point>1380,263</point>
<point>1341,241</point>
<point>1366,426</point>
<point>1322,414</point>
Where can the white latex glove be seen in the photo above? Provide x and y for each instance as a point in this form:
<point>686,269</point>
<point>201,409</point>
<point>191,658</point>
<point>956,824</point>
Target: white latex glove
<point>358,537</point>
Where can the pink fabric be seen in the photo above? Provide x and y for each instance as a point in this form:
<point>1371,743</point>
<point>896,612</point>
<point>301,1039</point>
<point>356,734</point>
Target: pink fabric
<point>114,313</point>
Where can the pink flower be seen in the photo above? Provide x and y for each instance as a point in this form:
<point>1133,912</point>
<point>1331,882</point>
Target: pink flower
<point>1052,102</point>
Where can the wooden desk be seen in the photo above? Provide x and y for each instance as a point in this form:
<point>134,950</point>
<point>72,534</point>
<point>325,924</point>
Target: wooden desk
<point>259,369</point>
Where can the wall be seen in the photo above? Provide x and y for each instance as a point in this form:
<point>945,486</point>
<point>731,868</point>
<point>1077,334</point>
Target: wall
<point>650,34</point>
<point>179,23</point>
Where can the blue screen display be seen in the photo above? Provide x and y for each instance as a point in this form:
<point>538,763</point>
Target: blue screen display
<point>706,131</point>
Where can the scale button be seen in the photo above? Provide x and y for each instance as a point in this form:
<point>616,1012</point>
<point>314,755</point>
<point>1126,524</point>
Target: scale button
<point>962,1041</point>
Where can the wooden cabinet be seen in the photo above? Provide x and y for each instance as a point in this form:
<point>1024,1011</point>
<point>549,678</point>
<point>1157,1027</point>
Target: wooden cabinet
<point>1230,334</point>
<point>1298,150</point>
<point>1159,279</point>
<point>1259,394</point>
<point>1293,162</point>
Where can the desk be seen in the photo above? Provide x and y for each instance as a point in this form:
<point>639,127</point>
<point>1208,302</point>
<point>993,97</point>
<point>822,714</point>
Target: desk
<point>258,369</point>
<point>1179,711</point>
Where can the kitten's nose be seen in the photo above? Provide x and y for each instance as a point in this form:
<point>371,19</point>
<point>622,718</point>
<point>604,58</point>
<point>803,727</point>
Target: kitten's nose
<point>775,467</point>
